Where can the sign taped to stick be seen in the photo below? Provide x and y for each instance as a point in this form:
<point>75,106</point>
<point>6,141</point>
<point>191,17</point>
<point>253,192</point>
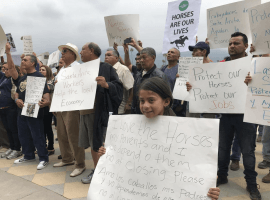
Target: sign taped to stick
<point>143,159</point>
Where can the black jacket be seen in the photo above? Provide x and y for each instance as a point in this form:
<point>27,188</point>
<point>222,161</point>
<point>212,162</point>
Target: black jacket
<point>153,72</point>
<point>107,100</point>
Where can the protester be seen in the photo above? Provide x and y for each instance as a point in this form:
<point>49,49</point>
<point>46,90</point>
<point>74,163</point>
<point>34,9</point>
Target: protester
<point>47,120</point>
<point>68,122</point>
<point>147,59</point>
<point>125,76</point>
<point>8,108</point>
<point>31,132</point>
<point>156,99</point>
<point>93,122</point>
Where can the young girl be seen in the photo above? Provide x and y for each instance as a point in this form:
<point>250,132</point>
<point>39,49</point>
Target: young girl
<point>156,99</point>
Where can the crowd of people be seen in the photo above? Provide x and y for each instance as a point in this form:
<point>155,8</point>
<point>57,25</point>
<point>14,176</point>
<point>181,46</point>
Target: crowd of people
<point>122,88</point>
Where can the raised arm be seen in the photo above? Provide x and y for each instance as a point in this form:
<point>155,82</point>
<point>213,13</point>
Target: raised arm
<point>135,45</point>
<point>115,45</point>
<point>39,62</point>
<point>11,67</point>
<point>127,60</point>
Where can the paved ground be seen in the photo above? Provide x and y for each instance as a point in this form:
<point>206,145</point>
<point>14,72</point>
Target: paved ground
<point>24,182</point>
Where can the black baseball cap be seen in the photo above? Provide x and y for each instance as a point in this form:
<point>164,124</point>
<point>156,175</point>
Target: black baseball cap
<point>200,45</point>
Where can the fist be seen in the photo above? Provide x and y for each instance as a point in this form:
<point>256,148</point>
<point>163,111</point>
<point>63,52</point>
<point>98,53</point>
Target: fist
<point>102,82</point>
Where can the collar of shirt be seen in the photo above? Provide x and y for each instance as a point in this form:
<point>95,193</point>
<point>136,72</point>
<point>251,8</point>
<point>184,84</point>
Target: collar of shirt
<point>116,65</point>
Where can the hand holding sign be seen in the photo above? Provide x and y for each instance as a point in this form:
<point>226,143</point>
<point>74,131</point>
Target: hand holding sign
<point>102,82</point>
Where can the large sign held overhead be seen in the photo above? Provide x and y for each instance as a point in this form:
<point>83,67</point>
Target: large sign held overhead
<point>11,42</point>
<point>181,25</point>
<point>219,87</point>
<point>120,27</point>
<point>27,44</point>
<point>258,95</point>
<point>180,90</point>
<point>159,158</point>
<point>259,17</point>
<point>3,41</point>
<point>76,87</point>
<point>227,19</point>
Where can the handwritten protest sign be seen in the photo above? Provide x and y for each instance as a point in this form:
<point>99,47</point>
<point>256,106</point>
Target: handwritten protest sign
<point>27,45</point>
<point>219,87</point>
<point>44,58</point>
<point>120,27</point>
<point>258,94</point>
<point>260,29</point>
<point>181,25</point>
<point>34,91</point>
<point>76,87</point>
<point>227,19</point>
<point>159,158</point>
<point>54,60</point>
<point>11,42</point>
<point>3,41</point>
<point>180,90</point>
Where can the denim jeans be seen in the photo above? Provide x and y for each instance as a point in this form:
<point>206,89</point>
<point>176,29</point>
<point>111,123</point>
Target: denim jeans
<point>31,134</point>
<point>230,125</point>
<point>236,151</point>
<point>266,143</point>
<point>9,119</point>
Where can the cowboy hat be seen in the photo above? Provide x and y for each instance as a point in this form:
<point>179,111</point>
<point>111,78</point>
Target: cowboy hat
<point>71,47</point>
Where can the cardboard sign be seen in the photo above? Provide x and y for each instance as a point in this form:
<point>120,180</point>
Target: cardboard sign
<point>260,29</point>
<point>258,94</point>
<point>34,92</point>
<point>180,90</point>
<point>120,27</point>
<point>53,61</point>
<point>219,87</point>
<point>3,41</point>
<point>27,45</point>
<point>76,87</point>
<point>11,42</point>
<point>227,19</point>
<point>44,58</point>
<point>159,158</point>
<point>181,25</point>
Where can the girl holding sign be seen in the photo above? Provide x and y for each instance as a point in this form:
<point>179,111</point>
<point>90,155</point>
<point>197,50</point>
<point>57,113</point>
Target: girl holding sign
<point>156,99</point>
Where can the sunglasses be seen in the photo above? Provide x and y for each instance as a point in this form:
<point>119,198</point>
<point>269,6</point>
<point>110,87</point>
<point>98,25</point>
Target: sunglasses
<point>65,50</point>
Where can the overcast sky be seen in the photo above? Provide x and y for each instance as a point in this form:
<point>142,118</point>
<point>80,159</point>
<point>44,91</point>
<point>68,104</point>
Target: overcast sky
<point>55,22</point>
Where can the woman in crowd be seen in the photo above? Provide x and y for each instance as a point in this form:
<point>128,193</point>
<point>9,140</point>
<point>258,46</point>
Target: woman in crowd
<point>47,72</point>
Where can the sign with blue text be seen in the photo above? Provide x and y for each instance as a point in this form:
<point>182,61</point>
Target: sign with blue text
<point>181,25</point>
<point>160,158</point>
<point>259,17</point>
<point>227,19</point>
<point>258,95</point>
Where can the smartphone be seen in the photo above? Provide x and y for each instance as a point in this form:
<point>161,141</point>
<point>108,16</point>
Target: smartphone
<point>128,40</point>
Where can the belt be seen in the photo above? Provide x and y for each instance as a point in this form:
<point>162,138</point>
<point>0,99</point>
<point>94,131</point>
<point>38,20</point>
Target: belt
<point>4,108</point>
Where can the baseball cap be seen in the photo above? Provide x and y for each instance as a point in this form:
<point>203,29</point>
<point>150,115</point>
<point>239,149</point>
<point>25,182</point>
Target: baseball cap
<point>200,45</point>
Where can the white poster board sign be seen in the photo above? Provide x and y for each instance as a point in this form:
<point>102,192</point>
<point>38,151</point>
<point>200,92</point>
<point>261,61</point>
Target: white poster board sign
<point>159,158</point>
<point>34,91</point>
<point>219,87</point>
<point>16,59</point>
<point>44,57</point>
<point>120,27</point>
<point>27,44</point>
<point>180,90</point>
<point>11,42</point>
<point>76,87</point>
<point>258,94</point>
<point>260,29</point>
<point>227,19</point>
<point>3,41</point>
<point>54,60</point>
<point>181,25</point>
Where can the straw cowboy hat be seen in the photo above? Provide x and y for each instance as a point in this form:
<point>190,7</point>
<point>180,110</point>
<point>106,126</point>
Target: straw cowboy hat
<point>71,47</point>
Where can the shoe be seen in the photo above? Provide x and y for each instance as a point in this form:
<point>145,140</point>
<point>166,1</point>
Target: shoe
<point>266,179</point>
<point>259,139</point>
<point>14,154</point>
<point>254,193</point>
<point>88,179</point>
<point>9,151</point>
<point>42,165</point>
<point>51,152</point>
<point>23,160</point>
<point>59,157</point>
<point>77,172</point>
<point>264,164</point>
<point>61,164</point>
<point>234,165</point>
<point>221,180</point>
